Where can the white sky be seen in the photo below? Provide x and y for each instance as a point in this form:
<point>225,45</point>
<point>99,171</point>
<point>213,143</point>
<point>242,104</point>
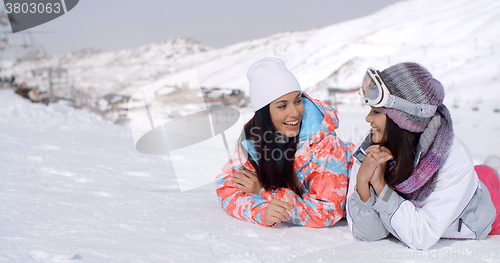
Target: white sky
<point>114,24</point>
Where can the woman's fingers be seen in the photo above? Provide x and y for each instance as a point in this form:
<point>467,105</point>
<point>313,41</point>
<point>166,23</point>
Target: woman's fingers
<point>288,199</point>
<point>282,204</point>
<point>240,183</point>
<point>248,174</point>
<point>282,207</point>
<point>246,184</point>
<point>237,179</point>
<point>379,152</point>
<point>280,217</point>
<point>248,179</point>
<point>241,179</point>
<point>272,218</point>
<point>279,212</point>
<point>283,213</point>
<point>373,149</point>
<point>381,156</point>
<point>385,149</point>
<point>239,186</point>
<point>384,157</point>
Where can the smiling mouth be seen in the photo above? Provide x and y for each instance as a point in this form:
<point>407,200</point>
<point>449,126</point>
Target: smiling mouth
<point>292,122</point>
<point>292,125</point>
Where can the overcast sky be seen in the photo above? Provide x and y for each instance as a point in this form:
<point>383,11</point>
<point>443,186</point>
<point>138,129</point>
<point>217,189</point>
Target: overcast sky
<point>118,24</point>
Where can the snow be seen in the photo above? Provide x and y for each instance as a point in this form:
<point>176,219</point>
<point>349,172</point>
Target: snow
<point>74,188</point>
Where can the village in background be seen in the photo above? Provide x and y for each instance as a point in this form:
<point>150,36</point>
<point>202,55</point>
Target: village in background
<point>111,106</point>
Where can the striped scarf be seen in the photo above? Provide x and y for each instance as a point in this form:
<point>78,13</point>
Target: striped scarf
<point>432,150</point>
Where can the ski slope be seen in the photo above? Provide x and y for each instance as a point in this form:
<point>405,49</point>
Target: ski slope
<point>74,189</point>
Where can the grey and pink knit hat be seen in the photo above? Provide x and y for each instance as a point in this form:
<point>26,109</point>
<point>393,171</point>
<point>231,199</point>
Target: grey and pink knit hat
<point>411,82</point>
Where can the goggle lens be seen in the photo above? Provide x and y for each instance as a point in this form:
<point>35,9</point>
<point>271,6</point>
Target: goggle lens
<point>369,88</point>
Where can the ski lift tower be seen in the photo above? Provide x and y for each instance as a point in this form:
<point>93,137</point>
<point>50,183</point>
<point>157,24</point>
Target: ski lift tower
<point>51,73</point>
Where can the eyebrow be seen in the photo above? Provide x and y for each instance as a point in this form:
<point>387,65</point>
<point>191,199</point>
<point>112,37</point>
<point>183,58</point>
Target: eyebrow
<point>286,100</point>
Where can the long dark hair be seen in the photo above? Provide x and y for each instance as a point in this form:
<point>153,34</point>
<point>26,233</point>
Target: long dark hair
<point>403,146</point>
<point>271,174</point>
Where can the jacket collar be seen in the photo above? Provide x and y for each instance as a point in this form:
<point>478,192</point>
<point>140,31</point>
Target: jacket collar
<point>319,119</point>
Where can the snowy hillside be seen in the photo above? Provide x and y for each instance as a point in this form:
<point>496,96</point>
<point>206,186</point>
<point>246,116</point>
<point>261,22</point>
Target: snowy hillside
<point>74,189</point>
<point>457,40</point>
<point>99,73</point>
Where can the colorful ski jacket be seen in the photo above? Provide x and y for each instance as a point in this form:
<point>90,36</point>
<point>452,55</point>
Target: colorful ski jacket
<point>322,165</point>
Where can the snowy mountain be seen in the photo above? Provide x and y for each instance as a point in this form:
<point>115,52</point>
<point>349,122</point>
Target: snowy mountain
<point>457,40</point>
<point>74,188</point>
<point>99,73</point>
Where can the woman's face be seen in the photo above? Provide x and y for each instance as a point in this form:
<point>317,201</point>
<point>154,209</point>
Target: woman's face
<point>286,113</point>
<point>376,118</point>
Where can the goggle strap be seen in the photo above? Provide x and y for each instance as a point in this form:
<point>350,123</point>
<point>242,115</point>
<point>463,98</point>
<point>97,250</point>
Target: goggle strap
<point>419,110</point>
<point>386,99</point>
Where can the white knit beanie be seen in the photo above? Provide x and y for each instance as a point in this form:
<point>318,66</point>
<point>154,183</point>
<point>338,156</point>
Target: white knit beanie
<point>269,79</point>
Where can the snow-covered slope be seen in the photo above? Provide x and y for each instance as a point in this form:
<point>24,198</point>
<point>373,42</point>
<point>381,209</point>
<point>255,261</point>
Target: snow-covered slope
<point>457,40</point>
<point>99,73</point>
<point>74,189</point>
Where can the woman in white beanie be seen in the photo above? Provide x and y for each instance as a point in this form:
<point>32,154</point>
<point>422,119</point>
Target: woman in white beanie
<point>289,165</point>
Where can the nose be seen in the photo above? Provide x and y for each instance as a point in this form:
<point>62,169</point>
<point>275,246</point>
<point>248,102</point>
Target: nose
<point>294,112</point>
<point>368,118</point>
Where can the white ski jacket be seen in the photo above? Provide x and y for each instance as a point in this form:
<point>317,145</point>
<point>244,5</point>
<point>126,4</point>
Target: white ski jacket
<point>459,207</point>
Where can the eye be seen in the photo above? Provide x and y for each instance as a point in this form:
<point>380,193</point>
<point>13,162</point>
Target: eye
<point>281,106</point>
<point>299,101</point>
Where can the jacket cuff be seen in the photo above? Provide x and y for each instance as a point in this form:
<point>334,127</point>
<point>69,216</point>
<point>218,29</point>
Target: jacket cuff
<point>388,201</point>
<point>261,217</point>
<point>365,206</point>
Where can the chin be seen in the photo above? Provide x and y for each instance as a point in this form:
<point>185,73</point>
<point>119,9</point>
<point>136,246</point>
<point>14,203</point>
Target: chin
<point>377,140</point>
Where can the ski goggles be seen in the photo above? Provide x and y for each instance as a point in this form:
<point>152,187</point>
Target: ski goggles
<point>374,93</point>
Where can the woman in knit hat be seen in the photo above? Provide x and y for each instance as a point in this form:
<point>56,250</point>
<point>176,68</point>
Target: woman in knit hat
<point>289,165</point>
<point>417,180</point>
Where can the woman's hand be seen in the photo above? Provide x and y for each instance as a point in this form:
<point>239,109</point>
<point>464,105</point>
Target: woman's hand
<point>277,211</point>
<point>382,154</point>
<point>373,166</point>
<point>246,181</point>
